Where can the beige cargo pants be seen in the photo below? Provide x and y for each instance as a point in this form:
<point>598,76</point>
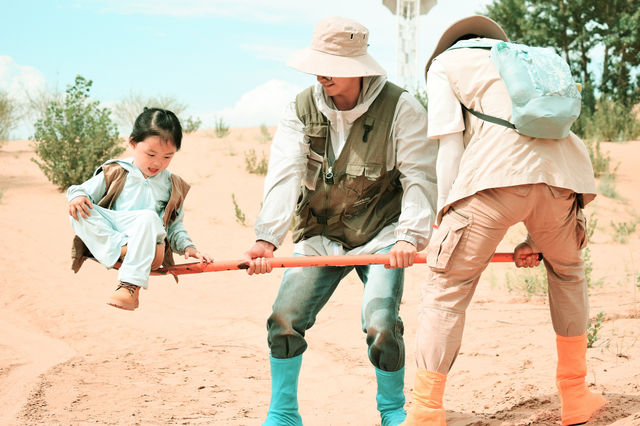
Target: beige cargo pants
<point>463,245</point>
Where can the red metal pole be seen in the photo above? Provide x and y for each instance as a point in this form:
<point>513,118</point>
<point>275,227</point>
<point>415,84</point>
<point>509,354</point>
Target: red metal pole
<point>299,261</point>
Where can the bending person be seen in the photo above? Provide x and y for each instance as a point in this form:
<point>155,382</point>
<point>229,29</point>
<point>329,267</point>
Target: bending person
<point>489,178</point>
<point>352,162</point>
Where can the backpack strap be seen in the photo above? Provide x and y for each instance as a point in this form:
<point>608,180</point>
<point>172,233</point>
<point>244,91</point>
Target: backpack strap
<point>490,118</point>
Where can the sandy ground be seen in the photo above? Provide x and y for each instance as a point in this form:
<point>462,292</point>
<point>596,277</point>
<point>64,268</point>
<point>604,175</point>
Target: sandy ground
<point>196,353</point>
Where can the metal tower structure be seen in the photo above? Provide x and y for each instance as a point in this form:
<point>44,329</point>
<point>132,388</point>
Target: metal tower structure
<point>407,13</point>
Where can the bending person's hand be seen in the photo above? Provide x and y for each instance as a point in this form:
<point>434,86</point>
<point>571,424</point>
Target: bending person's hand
<point>524,257</point>
<point>258,257</point>
<point>402,255</point>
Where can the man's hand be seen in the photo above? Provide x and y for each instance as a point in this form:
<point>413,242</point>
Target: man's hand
<point>80,204</point>
<point>258,257</point>
<point>402,255</point>
<point>191,251</point>
<point>524,257</point>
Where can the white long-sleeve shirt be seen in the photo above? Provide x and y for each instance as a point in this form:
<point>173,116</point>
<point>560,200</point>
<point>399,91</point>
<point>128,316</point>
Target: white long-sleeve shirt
<point>410,151</point>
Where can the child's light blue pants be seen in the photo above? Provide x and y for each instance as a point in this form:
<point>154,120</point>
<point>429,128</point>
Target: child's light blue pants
<point>106,231</point>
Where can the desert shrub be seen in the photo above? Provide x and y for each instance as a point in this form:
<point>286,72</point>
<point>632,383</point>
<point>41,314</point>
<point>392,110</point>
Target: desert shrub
<point>421,96</point>
<point>191,125</point>
<point>530,281</point>
<point>607,185</point>
<point>611,121</point>
<point>593,328</point>
<point>74,137</point>
<point>241,218</point>
<point>591,225</point>
<point>265,135</point>
<point>622,230</point>
<point>129,108</point>
<point>221,127</point>
<point>600,161</point>
<point>253,165</point>
<point>8,116</point>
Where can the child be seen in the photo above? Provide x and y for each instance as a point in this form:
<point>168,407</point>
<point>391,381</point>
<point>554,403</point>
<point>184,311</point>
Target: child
<point>131,210</point>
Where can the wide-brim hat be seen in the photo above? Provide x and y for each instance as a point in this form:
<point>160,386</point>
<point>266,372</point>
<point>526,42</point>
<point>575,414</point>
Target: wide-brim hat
<point>476,24</point>
<point>338,49</point>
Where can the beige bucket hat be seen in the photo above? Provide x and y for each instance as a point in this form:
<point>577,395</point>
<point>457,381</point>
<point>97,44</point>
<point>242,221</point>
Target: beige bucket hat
<point>476,24</point>
<point>338,49</point>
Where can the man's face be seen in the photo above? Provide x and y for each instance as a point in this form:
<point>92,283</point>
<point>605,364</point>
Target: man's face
<point>336,86</point>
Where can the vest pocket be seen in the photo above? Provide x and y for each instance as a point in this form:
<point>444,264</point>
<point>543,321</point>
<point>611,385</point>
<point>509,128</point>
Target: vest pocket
<point>314,167</point>
<point>445,240</point>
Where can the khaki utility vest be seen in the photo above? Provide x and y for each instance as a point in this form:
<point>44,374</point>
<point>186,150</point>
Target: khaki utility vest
<point>355,196</point>
<point>115,176</point>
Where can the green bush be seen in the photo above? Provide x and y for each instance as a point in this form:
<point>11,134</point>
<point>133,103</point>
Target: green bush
<point>221,127</point>
<point>528,281</point>
<point>622,230</point>
<point>265,135</point>
<point>421,96</point>
<point>611,121</point>
<point>241,218</point>
<point>253,165</point>
<point>607,186</point>
<point>8,116</point>
<point>73,138</point>
<point>191,124</point>
<point>593,328</point>
<point>600,161</point>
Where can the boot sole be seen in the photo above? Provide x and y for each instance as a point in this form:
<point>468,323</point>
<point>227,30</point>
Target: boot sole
<point>126,308</point>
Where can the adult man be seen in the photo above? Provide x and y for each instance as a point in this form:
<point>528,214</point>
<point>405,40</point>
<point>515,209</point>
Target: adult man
<point>489,178</point>
<point>358,145</point>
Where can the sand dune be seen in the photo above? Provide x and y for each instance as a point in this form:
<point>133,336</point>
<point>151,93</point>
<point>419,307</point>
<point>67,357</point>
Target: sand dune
<point>196,353</point>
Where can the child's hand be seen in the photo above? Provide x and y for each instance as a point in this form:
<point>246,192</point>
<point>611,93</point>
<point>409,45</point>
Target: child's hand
<point>80,204</point>
<point>191,251</point>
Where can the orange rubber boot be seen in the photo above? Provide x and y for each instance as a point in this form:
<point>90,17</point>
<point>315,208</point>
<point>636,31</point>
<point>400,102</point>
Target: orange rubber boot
<point>426,408</point>
<point>577,402</point>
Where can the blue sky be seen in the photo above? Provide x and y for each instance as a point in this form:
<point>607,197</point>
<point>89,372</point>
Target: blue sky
<point>221,58</point>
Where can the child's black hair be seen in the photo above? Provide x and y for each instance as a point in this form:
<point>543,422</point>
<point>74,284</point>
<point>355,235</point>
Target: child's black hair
<point>157,122</point>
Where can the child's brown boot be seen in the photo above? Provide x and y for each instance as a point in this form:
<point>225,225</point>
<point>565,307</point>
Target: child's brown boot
<point>125,296</point>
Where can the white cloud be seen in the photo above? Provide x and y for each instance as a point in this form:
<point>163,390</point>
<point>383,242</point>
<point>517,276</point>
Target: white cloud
<point>269,52</point>
<point>20,81</point>
<point>262,105</point>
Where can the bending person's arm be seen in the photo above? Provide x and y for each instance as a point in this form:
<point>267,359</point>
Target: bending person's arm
<point>449,156</point>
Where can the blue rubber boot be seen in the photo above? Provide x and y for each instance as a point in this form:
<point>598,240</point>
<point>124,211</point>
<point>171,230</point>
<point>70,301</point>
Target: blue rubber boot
<point>283,409</point>
<point>390,397</point>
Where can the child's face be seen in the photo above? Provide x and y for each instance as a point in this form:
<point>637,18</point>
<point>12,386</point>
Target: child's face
<point>152,155</point>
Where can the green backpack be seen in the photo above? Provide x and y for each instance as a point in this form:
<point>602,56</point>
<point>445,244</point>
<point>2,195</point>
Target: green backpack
<point>545,98</point>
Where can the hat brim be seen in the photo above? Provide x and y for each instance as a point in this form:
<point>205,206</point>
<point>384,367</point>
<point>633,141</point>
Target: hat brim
<point>477,24</point>
<point>314,62</point>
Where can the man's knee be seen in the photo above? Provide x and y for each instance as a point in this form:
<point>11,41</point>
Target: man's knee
<point>285,341</point>
<point>384,330</point>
